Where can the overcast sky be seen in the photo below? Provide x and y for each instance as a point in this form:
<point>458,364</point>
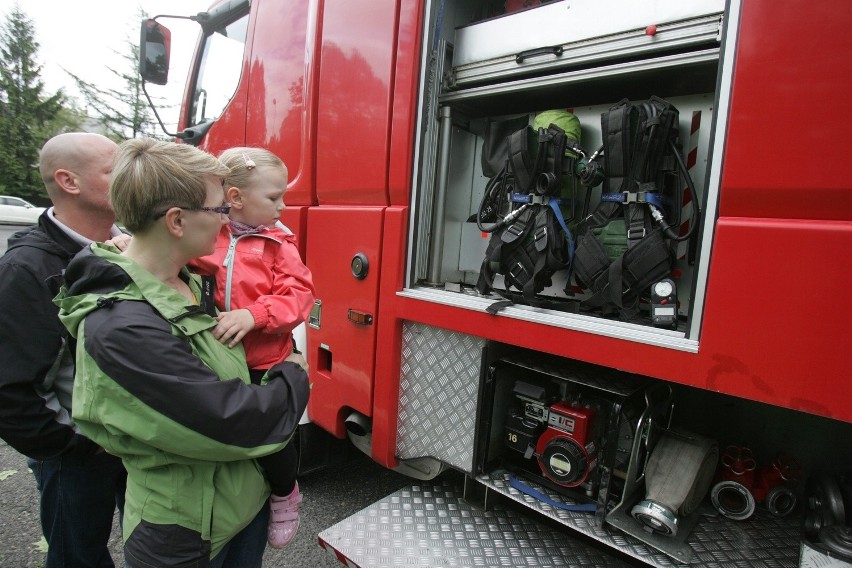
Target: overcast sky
<point>82,36</point>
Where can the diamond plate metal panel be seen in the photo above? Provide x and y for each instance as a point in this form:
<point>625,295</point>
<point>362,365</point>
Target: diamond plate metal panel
<point>430,525</point>
<point>716,542</point>
<point>437,394</point>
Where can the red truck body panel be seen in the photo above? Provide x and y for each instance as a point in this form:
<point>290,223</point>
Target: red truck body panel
<point>332,87</point>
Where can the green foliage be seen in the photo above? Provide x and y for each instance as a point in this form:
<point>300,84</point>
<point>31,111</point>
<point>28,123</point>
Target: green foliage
<point>28,115</point>
<point>68,119</point>
<point>122,112</point>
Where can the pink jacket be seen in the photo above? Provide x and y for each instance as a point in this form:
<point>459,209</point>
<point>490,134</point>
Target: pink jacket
<point>264,274</point>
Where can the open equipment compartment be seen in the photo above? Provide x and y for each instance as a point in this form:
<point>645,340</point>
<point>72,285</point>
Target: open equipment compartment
<point>567,426</point>
<point>469,79</point>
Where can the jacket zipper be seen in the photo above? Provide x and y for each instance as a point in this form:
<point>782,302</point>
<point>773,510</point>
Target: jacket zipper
<point>228,263</point>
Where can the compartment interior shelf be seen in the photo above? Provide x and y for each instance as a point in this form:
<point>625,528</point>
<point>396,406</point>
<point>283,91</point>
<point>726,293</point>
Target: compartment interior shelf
<point>682,74</point>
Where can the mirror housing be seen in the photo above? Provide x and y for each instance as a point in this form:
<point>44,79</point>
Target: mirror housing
<point>154,49</point>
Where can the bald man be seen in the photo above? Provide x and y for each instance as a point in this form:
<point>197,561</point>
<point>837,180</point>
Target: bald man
<point>36,365</point>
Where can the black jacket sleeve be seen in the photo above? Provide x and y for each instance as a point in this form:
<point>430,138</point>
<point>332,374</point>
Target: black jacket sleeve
<point>134,347</point>
<point>30,342</point>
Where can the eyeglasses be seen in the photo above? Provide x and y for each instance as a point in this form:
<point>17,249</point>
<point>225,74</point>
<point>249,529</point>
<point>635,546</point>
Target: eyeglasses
<point>221,210</point>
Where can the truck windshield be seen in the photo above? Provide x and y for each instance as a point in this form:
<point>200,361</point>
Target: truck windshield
<point>219,71</point>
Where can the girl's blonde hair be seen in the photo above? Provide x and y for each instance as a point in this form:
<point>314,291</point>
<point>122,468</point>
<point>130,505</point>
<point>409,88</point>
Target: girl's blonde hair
<point>242,162</point>
<point>150,176</point>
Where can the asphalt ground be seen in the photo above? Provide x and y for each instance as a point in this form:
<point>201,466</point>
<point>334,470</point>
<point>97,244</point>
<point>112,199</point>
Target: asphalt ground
<point>330,495</point>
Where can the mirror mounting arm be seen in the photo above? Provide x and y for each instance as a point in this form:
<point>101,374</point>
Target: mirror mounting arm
<point>181,135</point>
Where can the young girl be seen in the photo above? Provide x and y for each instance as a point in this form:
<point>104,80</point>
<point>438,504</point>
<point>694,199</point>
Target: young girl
<point>263,292</point>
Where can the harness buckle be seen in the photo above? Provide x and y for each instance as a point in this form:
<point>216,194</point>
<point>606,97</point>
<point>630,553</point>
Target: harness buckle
<point>634,197</point>
<point>516,229</point>
<point>518,272</point>
<point>634,233</point>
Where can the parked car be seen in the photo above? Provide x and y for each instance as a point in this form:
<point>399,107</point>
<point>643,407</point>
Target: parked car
<point>14,210</point>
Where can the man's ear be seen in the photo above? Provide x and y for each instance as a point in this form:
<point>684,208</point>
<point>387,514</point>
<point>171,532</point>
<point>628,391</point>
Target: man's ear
<point>66,180</point>
<point>234,196</point>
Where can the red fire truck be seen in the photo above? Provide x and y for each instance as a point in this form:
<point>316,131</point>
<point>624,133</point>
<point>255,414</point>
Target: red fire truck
<point>721,438</point>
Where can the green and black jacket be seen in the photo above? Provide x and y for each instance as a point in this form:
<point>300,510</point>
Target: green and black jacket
<point>154,387</point>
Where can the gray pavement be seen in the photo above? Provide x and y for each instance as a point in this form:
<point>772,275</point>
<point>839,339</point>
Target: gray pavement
<point>330,495</point>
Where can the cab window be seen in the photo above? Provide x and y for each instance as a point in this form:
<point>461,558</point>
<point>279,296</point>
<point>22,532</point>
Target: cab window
<point>219,70</point>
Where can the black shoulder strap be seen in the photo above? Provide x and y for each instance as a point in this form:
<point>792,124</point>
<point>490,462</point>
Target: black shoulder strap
<point>617,145</point>
<point>501,242</point>
<point>519,160</point>
<point>659,126</point>
<point>490,265</point>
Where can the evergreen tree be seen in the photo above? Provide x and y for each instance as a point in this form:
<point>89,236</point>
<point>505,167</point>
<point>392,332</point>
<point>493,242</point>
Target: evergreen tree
<point>28,116</point>
<point>124,111</point>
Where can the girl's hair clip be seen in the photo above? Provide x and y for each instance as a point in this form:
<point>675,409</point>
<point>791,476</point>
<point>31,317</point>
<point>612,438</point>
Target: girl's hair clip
<point>250,165</point>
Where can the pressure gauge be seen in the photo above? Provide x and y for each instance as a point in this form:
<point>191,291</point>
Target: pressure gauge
<point>664,303</point>
<point>663,288</point>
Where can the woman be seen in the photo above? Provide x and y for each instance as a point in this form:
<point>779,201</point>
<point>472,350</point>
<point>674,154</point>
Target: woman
<point>155,387</point>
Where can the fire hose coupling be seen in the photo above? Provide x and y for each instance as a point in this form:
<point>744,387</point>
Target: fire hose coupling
<point>590,173</point>
<point>733,500</point>
<point>741,484</point>
<point>679,472</point>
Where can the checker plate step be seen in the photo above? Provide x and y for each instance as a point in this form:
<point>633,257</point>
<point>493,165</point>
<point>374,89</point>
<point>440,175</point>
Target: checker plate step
<point>431,524</point>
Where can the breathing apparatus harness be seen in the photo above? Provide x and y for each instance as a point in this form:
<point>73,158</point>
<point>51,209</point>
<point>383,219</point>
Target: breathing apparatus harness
<point>640,150</point>
<point>521,209</point>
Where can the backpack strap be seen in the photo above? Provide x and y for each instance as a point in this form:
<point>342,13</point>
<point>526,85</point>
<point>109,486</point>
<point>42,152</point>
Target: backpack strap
<point>615,124</point>
<point>519,160</point>
<point>550,160</point>
<point>541,238</point>
<point>488,270</point>
<point>500,244</point>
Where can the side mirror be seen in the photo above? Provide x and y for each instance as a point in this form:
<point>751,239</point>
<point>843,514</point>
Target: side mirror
<point>154,48</point>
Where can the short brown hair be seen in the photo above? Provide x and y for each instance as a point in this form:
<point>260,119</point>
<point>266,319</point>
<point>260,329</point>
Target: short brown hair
<point>149,176</point>
<point>241,163</point>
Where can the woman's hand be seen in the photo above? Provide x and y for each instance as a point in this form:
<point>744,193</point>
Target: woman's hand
<point>233,325</point>
<point>119,241</point>
<point>298,359</point>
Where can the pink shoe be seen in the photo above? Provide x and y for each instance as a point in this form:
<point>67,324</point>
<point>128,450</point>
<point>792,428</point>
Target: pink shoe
<point>284,518</point>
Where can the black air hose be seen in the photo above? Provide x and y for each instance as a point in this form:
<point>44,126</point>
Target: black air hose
<point>693,222</point>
